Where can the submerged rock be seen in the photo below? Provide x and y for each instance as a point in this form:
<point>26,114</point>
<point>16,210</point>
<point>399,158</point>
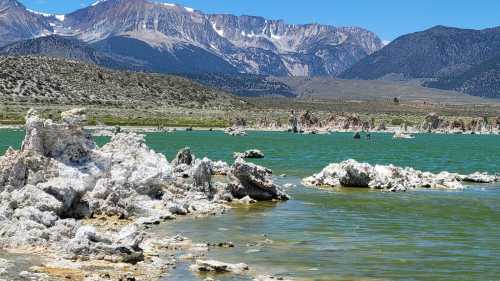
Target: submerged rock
<point>249,154</point>
<point>254,181</point>
<point>351,173</point>
<point>235,131</point>
<point>270,278</point>
<point>479,178</point>
<point>218,267</point>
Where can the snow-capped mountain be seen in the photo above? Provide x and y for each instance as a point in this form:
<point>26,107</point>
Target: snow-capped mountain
<point>17,23</point>
<point>194,41</point>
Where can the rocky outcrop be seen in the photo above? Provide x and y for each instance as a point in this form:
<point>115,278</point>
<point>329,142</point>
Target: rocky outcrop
<point>218,267</point>
<point>351,173</point>
<point>120,247</point>
<point>268,122</point>
<point>249,154</point>
<point>254,181</point>
<point>293,123</point>
<point>345,122</point>
<point>432,122</point>
<point>60,177</point>
<point>308,120</point>
<point>184,156</point>
<point>478,125</point>
<point>183,36</point>
<point>240,122</point>
<point>235,131</point>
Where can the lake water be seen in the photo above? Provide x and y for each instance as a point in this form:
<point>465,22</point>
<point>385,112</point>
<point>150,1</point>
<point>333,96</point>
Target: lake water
<point>350,234</point>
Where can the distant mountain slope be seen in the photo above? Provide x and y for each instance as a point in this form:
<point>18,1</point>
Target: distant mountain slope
<point>43,80</point>
<point>138,56</point>
<point>246,85</point>
<point>180,59</point>
<point>370,90</point>
<point>481,80</point>
<point>18,23</point>
<point>170,37</point>
<point>70,48</point>
<point>304,50</point>
<point>436,52</point>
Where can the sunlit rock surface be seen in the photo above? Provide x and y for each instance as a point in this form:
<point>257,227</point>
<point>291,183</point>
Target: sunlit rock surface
<point>351,173</point>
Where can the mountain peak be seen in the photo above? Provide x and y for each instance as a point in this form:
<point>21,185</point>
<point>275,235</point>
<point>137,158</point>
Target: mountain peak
<point>247,44</point>
<point>440,51</point>
<point>9,4</point>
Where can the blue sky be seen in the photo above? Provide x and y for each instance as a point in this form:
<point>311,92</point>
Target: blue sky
<point>388,18</point>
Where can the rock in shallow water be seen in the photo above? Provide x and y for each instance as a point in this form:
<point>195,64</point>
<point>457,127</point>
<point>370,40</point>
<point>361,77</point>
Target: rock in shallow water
<point>218,267</point>
<point>351,173</point>
<point>254,181</point>
<point>60,177</point>
<point>249,154</point>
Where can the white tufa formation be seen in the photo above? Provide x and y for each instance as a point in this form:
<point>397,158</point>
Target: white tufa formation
<point>351,173</point>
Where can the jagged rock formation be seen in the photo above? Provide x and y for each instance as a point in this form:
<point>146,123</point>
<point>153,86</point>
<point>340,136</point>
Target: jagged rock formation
<point>184,156</point>
<point>307,121</point>
<point>254,181</point>
<point>346,122</point>
<point>296,50</point>
<point>218,267</point>
<point>268,122</point>
<point>351,173</point>
<point>17,23</point>
<point>171,38</point>
<point>432,122</point>
<point>435,123</point>
<point>59,177</point>
<point>235,131</point>
<point>252,153</point>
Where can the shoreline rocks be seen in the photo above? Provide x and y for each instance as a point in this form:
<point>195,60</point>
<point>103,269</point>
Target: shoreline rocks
<point>235,131</point>
<point>52,189</point>
<point>254,181</point>
<point>351,173</point>
<point>218,267</point>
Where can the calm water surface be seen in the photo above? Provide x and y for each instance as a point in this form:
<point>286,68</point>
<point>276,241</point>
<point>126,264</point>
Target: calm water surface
<point>350,234</point>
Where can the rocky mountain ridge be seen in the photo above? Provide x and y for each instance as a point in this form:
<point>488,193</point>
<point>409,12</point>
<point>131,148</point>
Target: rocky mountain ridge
<point>244,44</point>
<point>448,58</point>
<point>437,52</point>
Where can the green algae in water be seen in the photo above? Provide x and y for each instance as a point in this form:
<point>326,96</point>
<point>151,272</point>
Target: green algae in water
<point>350,234</point>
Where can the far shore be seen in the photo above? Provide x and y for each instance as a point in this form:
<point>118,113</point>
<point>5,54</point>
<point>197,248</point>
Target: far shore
<point>108,129</point>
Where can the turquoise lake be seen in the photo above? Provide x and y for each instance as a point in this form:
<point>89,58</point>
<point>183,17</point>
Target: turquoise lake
<point>349,234</point>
